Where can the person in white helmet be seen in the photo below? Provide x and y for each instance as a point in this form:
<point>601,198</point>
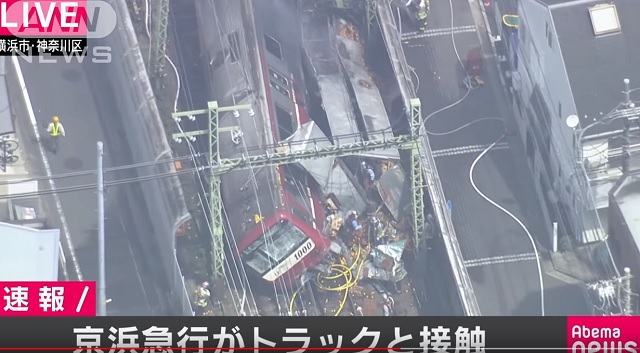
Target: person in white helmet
<point>55,130</point>
<point>202,297</point>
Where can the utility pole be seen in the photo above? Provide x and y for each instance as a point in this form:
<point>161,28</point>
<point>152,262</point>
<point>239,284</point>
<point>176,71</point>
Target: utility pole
<point>282,153</point>
<point>626,155</point>
<point>625,284</point>
<point>160,22</point>
<point>102,295</point>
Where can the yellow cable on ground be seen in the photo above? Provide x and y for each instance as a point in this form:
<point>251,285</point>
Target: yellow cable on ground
<point>346,292</point>
<point>340,274</point>
<point>346,272</point>
<point>342,271</point>
<point>353,265</point>
<point>293,300</point>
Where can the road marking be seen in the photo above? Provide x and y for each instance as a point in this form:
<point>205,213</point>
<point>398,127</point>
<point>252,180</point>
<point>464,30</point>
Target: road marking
<point>32,117</point>
<point>455,151</point>
<point>82,298</point>
<point>500,260</point>
<point>437,32</point>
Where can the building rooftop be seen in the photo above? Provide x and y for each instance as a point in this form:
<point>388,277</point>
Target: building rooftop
<point>600,50</point>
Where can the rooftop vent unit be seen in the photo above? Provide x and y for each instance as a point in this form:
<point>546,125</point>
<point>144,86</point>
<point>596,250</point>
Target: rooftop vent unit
<point>604,19</point>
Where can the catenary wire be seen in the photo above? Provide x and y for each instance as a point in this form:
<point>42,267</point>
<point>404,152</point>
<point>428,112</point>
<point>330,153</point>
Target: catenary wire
<point>239,269</point>
<point>95,186</point>
<point>93,172</point>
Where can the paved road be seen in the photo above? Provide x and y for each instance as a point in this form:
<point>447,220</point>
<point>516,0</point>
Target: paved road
<point>65,90</point>
<point>497,251</point>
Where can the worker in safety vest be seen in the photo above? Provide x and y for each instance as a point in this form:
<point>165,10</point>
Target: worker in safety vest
<point>388,305</point>
<point>202,297</point>
<point>55,129</point>
<point>423,11</point>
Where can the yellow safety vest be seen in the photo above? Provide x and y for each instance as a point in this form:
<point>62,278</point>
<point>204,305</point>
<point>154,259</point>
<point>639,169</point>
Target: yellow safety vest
<point>55,130</point>
<point>202,297</point>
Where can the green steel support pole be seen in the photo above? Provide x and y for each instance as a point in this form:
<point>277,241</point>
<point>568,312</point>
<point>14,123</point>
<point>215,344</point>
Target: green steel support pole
<point>416,117</point>
<point>417,181</point>
<point>215,198</point>
<point>214,134</point>
<point>217,229</point>
<point>371,15</point>
<point>159,39</point>
<point>215,202</point>
<point>417,188</point>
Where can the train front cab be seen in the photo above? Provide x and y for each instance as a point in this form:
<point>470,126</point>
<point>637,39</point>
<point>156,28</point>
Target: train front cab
<point>283,246</point>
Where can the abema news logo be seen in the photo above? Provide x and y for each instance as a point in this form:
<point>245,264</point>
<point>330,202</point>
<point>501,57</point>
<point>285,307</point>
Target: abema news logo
<point>606,334</point>
<point>77,18</point>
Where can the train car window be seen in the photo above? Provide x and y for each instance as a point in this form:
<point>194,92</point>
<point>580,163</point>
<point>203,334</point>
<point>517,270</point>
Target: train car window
<point>276,244</point>
<point>286,124</point>
<point>259,262</point>
<point>254,246</point>
<point>279,78</point>
<point>293,180</point>
<point>281,239</point>
<point>275,85</point>
<point>273,46</point>
<point>234,46</point>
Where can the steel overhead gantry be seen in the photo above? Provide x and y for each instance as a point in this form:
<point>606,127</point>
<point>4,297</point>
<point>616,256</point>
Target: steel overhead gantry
<point>282,153</point>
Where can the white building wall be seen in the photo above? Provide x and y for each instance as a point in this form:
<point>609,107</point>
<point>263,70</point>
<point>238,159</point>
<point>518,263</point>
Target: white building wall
<point>28,254</point>
<point>541,63</point>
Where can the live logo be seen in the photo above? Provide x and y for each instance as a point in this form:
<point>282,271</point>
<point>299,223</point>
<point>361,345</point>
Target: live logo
<point>38,18</point>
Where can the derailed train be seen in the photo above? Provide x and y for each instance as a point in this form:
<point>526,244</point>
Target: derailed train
<point>305,79</point>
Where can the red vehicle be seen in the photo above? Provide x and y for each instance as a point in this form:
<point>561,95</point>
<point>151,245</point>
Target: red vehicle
<point>474,62</point>
<point>275,215</point>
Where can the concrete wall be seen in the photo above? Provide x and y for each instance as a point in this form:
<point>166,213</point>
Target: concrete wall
<point>539,72</point>
<point>144,131</point>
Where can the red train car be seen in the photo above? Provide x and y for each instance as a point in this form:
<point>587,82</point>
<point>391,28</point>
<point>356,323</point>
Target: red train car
<point>275,215</point>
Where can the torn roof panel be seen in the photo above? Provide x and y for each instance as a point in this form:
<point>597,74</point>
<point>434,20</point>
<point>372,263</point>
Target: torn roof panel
<point>326,171</point>
<point>366,92</point>
<point>320,47</point>
<point>394,191</point>
<point>326,64</point>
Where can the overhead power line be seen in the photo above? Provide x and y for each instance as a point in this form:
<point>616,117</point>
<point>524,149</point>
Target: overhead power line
<point>93,172</point>
<point>107,184</point>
